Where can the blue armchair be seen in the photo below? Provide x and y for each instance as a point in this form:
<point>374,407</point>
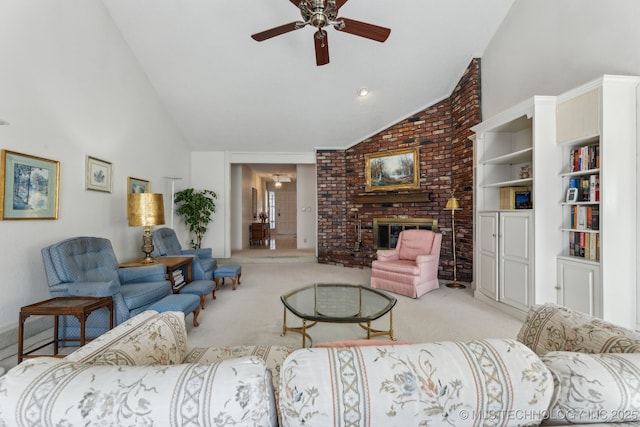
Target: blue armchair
<point>87,266</point>
<point>166,243</point>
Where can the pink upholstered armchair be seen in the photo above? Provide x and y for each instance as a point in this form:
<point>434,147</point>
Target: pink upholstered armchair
<point>411,268</point>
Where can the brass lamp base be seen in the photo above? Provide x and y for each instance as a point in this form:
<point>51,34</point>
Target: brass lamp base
<point>455,285</point>
<point>147,246</point>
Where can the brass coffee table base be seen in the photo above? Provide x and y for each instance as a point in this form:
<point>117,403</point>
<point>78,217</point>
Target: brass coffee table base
<point>302,330</point>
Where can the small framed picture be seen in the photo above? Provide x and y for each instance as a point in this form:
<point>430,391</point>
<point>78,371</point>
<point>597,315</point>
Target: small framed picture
<point>98,175</point>
<point>137,185</point>
<point>572,195</point>
<point>522,200</point>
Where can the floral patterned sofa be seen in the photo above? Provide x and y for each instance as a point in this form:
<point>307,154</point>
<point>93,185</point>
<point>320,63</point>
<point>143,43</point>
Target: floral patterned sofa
<point>143,373</point>
<point>564,368</point>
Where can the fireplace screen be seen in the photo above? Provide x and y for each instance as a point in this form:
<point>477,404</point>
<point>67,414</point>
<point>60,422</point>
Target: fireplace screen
<point>387,230</point>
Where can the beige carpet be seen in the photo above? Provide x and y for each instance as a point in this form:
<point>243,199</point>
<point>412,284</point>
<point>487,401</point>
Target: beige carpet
<point>253,313</point>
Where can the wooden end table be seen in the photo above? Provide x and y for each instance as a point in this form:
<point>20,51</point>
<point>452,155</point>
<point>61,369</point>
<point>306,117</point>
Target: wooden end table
<point>79,307</point>
<point>171,263</point>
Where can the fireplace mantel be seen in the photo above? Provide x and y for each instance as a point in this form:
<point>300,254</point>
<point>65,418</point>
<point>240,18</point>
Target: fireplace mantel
<point>392,198</point>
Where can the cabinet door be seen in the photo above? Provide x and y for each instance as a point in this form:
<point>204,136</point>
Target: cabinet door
<point>578,286</point>
<point>488,254</point>
<point>516,259</point>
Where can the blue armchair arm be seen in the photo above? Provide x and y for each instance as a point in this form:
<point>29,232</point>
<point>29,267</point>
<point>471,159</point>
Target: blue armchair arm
<point>93,289</point>
<point>147,273</point>
<point>202,253</point>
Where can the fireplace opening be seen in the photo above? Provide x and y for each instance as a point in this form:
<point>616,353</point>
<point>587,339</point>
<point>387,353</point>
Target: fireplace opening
<point>387,230</point>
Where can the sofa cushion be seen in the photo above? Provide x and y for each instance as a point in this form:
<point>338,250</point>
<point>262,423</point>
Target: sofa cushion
<point>594,388</point>
<point>150,338</point>
<point>550,327</point>
<point>50,391</point>
<point>435,384</point>
<point>273,356</point>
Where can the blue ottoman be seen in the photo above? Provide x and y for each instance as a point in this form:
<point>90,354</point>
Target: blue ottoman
<point>201,288</point>
<point>232,271</point>
<point>186,303</point>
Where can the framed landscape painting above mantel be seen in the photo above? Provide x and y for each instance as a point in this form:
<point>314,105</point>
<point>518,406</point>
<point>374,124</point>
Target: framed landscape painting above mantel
<point>30,187</point>
<point>392,170</point>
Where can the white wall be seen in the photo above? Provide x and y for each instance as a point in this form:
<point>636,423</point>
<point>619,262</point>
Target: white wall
<point>70,87</point>
<point>546,47</point>
<point>307,206</point>
<point>211,171</point>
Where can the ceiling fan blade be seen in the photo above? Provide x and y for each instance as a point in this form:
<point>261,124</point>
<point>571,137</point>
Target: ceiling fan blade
<point>362,29</point>
<point>282,29</point>
<point>322,48</point>
<point>296,2</point>
<point>339,3</point>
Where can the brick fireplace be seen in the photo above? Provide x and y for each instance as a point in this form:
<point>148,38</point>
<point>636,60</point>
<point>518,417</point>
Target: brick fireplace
<point>346,211</point>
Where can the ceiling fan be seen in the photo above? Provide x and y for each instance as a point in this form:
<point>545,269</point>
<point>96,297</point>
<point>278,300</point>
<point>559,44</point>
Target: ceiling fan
<point>320,14</point>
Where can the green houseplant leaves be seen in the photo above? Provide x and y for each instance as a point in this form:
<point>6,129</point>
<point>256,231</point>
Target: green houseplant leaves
<point>197,208</point>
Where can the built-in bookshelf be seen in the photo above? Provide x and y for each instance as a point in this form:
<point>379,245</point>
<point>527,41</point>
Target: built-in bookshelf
<point>596,132</point>
<point>581,208</point>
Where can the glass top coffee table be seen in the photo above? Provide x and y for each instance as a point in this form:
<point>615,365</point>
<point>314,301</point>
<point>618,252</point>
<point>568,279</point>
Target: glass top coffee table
<point>337,303</point>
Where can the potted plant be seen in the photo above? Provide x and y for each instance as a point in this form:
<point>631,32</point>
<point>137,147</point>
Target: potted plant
<point>197,208</point>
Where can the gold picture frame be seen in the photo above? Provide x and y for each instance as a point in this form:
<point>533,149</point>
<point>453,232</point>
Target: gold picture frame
<point>137,185</point>
<point>392,170</point>
<point>98,175</point>
<point>30,186</point>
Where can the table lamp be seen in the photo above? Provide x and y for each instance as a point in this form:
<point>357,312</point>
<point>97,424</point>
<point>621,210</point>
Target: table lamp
<point>453,205</point>
<point>146,210</point>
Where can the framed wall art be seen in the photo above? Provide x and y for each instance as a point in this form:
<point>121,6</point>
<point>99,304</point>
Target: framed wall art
<point>30,186</point>
<point>392,170</point>
<point>98,175</point>
<point>137,185</point>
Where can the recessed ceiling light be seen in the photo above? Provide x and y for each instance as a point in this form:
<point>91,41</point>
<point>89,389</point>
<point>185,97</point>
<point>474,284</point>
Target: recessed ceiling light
<point>363,91</point>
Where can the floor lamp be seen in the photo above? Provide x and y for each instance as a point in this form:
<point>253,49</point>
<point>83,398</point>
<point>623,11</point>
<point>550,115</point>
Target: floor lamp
<point>453,205</point>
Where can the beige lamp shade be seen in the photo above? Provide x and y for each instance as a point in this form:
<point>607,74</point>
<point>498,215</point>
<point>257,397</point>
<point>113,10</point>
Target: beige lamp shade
<point>145,209</point>
<point>452,204</point>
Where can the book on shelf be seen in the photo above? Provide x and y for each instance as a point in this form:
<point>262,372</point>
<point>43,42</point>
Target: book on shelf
<point>508,197</point>
<point>572,243</point>
<point>585,217</point>
<point>595,218</point>
<point>584,158</point>
<point>593,246</point>
<point>584,245</point>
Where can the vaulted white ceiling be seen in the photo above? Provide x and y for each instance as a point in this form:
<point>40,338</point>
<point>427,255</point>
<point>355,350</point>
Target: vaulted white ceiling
<point>226,91</point>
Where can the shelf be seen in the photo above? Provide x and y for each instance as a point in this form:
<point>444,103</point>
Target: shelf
<point>512,183</point>
<point>579,230</point>
<point>596,203</point>
<point>579,259</point>
<point>585,140</point>
<point>580,173</point>
<point>511,158</point>
<point>392,198</point>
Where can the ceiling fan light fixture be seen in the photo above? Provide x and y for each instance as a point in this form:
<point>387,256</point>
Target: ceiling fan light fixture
<point>362,92</point>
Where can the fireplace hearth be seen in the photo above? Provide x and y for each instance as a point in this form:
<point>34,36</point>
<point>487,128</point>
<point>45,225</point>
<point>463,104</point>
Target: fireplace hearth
<point>387,230</point>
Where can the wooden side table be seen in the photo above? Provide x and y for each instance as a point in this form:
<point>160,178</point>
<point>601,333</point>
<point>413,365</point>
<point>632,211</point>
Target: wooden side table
<point>79,307</point>
<point>172,264</point>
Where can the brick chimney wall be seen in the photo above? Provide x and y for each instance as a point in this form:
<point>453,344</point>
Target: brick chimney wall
<point>446,163</point>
